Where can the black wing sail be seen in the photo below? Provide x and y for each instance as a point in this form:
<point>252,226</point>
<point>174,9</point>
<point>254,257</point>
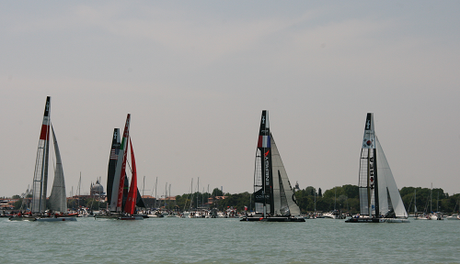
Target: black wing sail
<point>263,178</point>
<point>113,161</point>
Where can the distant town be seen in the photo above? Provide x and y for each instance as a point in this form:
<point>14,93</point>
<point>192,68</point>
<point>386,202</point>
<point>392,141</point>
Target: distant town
<point>341,198</point>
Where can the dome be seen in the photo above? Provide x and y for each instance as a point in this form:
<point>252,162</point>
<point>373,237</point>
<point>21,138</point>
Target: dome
<point>97,188</point>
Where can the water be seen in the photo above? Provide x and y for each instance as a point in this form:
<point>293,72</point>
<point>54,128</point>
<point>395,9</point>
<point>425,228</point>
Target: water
<point>175,240</point>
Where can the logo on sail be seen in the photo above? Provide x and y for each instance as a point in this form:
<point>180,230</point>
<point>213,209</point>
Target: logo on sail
<point>371,172</point>
<point>267,169</point>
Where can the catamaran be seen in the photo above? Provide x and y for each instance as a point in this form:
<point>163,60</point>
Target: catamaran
<point>118,198</point>
<point>57,201</point>
<point>379,196</point>
<point>273,194</point>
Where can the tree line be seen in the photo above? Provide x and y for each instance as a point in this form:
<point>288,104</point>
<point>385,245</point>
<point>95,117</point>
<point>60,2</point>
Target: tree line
<point>342,198</point>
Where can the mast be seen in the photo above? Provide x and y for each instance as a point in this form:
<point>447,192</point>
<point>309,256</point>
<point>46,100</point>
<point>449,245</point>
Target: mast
<point>431,198</point>
<point>40,181</point>
<point>78,199</point>
<point>197,192</point>
<point>166,194</point>
<point>191,194</point>
<point>156,184</point>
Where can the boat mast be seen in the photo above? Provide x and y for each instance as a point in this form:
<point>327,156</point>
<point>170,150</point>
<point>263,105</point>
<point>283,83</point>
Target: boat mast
<point>431,198</point>
<point>156,184</point>
<point>78,199</point>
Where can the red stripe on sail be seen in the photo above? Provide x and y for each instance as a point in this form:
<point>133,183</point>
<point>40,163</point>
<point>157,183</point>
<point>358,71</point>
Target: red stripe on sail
<point>44,134</point>
<point>132,195</point>
<point>259,143</point>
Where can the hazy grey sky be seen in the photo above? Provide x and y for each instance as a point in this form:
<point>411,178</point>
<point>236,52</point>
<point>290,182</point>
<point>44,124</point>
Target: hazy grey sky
<point>195,76</point>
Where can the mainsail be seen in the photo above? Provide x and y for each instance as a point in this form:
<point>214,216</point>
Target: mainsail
<point>41,164</point>
<point>58,201</point>
<point>132,195</point>
<point>378,193</point>
<point>113,161</point>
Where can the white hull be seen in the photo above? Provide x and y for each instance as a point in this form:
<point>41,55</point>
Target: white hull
<point>453,217</point>
<point>395,220</point>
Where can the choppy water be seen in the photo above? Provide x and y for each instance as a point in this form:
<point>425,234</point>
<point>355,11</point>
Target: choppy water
<point>175,240</point>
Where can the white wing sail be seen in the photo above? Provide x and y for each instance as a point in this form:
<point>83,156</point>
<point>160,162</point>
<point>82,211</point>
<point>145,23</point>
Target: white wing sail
<point>389,197</point>
<point>58,201</point>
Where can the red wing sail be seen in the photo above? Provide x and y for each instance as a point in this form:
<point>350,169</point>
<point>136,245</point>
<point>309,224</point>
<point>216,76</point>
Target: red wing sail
<point>132,195</point>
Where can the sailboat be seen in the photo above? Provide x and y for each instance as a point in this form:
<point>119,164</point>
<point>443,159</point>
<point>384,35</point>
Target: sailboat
<point>57,201</point>
<point>273,194</point>
<point>379,196</point>
<point>117,182</point>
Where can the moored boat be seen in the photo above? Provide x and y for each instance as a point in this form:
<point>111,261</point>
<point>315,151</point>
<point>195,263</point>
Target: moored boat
<point>453,217</point>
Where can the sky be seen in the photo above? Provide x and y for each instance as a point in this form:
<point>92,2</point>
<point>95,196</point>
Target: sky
<point>195,76</point>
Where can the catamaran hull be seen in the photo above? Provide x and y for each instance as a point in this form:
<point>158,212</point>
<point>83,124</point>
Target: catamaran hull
<point>377,220</point>
<point>130,218</point>
<point>111,216</point>
<point>272,219</point>
<point>57,219</point>
<point>21,218</point>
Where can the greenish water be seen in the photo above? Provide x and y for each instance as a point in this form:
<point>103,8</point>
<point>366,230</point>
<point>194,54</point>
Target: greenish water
<point>175,240</point>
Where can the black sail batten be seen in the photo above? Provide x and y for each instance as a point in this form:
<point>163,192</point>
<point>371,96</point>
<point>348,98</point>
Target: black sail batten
<point>114,150</point>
